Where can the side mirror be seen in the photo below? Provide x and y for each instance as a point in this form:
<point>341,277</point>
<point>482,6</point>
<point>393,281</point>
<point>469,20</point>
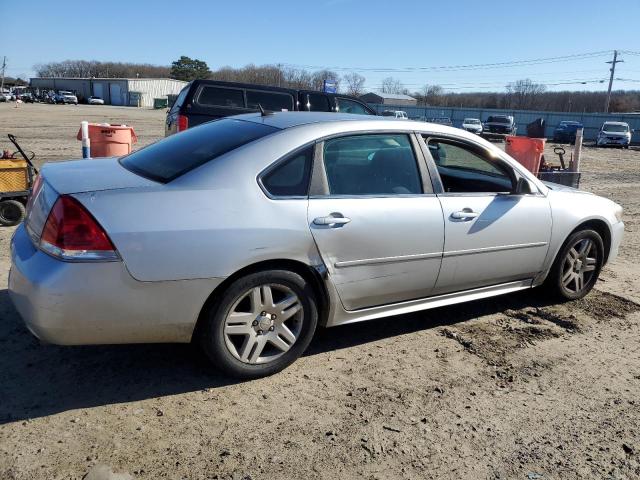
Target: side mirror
<point>522,187</point>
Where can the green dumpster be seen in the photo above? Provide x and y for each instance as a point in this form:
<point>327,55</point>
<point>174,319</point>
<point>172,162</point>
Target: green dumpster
<point>160,102</point>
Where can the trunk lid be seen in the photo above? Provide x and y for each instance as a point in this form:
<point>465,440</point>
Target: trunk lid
<point>76,176</point>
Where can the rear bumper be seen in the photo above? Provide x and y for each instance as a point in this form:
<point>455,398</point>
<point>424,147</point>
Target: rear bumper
<point>99,303</point>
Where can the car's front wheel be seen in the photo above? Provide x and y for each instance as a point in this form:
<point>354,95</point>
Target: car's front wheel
<point>577,267</point>
<point>261,324</point>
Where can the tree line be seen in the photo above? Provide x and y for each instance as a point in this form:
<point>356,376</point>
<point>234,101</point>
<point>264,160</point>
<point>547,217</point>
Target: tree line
<point>520,95</point>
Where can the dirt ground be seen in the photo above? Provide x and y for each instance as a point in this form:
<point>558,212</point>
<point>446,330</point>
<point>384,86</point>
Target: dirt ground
<point>508,388</point>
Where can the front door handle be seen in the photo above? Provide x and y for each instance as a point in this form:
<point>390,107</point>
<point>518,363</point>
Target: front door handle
<point>331,220</point>
<point>466,214</point>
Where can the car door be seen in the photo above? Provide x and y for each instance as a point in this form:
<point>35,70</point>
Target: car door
<point>375,219</point>
<point>492,234</point>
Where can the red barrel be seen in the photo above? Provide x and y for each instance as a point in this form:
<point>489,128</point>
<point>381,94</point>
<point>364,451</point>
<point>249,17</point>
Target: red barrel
<point>110,140</point>
<point>527,151</point>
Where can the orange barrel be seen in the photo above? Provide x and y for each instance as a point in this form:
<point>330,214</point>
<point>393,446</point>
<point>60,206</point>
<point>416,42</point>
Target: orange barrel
<point>110,140</point>
<point>527,151</point>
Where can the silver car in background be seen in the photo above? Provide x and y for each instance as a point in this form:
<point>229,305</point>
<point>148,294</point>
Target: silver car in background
<point>248,232</point>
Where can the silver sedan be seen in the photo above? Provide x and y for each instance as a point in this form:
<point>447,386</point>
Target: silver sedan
<point>247,233</point>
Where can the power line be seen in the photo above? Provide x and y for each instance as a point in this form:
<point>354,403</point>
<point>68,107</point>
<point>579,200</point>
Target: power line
<point>479,66</point>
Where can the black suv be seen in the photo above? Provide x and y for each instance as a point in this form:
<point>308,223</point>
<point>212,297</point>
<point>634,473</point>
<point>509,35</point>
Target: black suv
<point>204,100</point>
<point>499,126</point>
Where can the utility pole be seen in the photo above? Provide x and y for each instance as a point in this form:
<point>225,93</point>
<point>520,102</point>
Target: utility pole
<point>4,65</point>
<point>613,70</point>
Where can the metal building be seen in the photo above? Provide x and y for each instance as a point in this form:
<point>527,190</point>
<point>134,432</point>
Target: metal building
<point>135,92</point>
<point>389,99</point>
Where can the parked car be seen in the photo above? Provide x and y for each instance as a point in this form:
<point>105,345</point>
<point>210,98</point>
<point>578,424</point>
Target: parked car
<point>5,97</point>
<point>27,97</point>
<point>204,100</point>
<point>566,131</point>
<point>95,101</point>
<point>441,121</point>
<point>395,114</point>
<point>66,97</point>
<point>616,134</point>
<point>499,126</point>
<point>246,233</point>
<point>473,125</point>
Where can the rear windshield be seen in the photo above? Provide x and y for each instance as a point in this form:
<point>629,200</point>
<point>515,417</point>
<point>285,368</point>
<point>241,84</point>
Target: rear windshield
<point>178,154</point>
<point>499,119</point>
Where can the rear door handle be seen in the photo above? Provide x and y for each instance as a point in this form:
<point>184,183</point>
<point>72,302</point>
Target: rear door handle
<point>466,214</point>
<point>330,220</point>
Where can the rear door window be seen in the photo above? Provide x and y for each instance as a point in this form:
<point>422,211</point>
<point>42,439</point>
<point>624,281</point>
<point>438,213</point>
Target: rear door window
<point>221,97</point>
<point>176,155</point>
<point>380,164</point>
<point>274,101</point>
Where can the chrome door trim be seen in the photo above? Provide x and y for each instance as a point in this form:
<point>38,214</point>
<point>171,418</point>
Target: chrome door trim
<point>377,261</point>
<point>339,316</point>
<point>471,251</point>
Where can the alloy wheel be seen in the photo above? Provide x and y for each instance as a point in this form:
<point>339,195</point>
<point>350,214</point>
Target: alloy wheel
<point>263,323</point>
<point>579,265</point>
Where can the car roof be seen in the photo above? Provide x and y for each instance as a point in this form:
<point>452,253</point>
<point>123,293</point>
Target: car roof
<point>288,120</point>
<point>616,123</point>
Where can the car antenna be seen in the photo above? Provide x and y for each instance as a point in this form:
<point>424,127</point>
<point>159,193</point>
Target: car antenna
<point>263,113</point>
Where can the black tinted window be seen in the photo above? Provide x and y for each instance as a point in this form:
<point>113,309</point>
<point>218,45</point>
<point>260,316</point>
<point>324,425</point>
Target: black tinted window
<point>350,106</point>
<point>290,177</point>
<point>318,103</point>
<point>179,101</point>
<point>221,97</point>
<point>273,101</point>
<point>371,165</point>
<point>178,154</point>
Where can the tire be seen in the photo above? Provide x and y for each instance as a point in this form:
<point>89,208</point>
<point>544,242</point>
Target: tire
<point>577,266</point>
<point>12,212</point>
<point>255,342</point>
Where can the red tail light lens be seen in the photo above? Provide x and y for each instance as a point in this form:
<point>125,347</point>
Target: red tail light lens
<point>183,123</point>
<point>71,233</point>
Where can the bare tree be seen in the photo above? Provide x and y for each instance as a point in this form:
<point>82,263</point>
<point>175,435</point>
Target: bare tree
<point>524,94</point>
<point>391,85</point>
<point>355,83</point>
<point>93,68</point>
<point>321,76</point>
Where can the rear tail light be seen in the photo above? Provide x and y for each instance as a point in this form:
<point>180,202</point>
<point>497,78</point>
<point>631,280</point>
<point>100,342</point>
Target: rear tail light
<point>71,233</point>
<point>183,123</point>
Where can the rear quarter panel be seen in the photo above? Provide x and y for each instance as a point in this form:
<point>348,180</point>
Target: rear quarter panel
<point>209,223</point>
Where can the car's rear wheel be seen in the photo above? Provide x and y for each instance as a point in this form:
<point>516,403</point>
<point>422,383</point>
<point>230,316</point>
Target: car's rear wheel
<point>261,324</point>
<point>12,212</point>
<point>577,267</point>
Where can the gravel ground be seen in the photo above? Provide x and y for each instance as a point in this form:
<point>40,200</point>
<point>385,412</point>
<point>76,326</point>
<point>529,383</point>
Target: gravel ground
<point>511,387</point>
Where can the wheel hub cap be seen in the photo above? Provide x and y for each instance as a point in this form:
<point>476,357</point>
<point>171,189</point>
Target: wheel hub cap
<point>264,322</point>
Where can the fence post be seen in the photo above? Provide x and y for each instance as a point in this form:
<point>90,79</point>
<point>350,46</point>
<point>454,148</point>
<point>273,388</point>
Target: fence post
<point>577,151</point>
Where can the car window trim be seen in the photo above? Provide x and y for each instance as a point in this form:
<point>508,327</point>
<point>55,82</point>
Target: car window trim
<point>279,162</point>
<point>320,183</point>
<point>475,148</point>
